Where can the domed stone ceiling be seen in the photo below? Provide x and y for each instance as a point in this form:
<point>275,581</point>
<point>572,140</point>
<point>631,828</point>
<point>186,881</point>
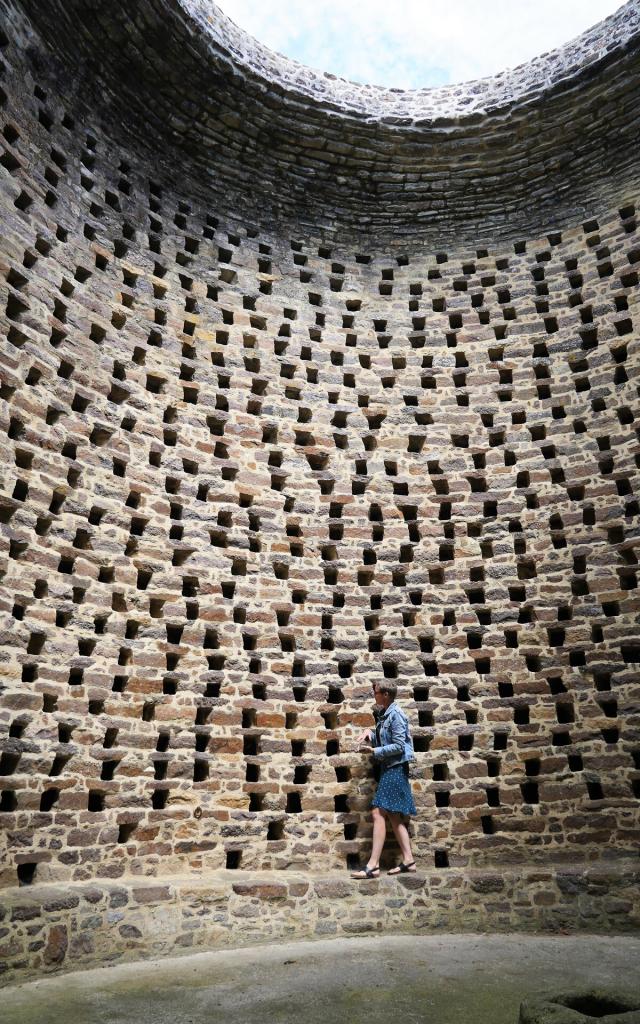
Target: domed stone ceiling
<point>448,167</point>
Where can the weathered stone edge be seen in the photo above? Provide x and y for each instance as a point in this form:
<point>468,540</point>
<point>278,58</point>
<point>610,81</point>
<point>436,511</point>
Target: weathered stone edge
<point>51,928</point>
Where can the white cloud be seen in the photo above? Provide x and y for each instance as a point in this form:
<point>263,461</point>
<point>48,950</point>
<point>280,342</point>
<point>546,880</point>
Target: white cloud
<point>412,43</point>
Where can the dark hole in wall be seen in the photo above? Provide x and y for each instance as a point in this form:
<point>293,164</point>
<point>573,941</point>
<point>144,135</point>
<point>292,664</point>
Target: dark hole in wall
<point>8,801</point>
<point>493,796</point>
<point>530,792</point>
<point>9,762</point>
<point>595,790</point>
<point>631,653</point>
<point>126,831</point>
<point>233,859</point>
<point>159,799</point>
<point>95,801</point>
<point>294,803</point>
<point>275,830</point>
<point>27,873</point>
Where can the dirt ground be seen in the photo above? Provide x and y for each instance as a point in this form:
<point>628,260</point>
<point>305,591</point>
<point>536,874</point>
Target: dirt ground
<point>440,979</point>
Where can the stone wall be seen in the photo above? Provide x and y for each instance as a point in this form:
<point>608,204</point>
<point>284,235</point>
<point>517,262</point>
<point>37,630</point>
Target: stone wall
<point>45,928</point>
<point>262,140</point>
<point>248,473</point>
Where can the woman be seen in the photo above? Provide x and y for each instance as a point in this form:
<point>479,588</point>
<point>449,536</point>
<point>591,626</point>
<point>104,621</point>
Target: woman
<point>392,748</point>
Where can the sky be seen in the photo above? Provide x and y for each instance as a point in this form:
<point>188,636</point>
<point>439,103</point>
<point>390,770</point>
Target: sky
<point>411,44</point>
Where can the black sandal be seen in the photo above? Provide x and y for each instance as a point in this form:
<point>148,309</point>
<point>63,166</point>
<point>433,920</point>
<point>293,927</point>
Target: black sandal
<point>367,873</point>
<point>403,869</point>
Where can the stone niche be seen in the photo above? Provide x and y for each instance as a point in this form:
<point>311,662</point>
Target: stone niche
<point>305,385</point>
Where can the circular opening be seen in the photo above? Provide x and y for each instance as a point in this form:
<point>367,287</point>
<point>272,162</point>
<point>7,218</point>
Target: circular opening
<point>594,1004</point>
<point>415,44</point>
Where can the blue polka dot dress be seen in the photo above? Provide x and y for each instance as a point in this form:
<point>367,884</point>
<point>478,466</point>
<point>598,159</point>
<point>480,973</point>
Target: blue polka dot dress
<point>394,791</point>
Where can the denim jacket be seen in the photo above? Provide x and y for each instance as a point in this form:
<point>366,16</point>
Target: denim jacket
<point>391,740</point>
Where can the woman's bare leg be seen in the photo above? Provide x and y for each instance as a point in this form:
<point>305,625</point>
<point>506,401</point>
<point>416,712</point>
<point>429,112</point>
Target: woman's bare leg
<point>402,835</point>
<point>379,835</point>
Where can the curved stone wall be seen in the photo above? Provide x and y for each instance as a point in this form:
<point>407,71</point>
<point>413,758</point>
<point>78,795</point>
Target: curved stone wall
<point>267,141</point>
<point>250,470</point>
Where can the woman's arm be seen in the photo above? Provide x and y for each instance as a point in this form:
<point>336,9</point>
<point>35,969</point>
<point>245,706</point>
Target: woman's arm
<point>396,745</point>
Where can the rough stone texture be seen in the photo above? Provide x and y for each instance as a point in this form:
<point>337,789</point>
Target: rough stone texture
<point>260,138</point>
<point>115,922</point>
<point>248,472</point>
<point>57,945</point>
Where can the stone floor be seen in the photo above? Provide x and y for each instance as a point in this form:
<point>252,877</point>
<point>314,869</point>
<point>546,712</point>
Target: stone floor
<point>440,979</point>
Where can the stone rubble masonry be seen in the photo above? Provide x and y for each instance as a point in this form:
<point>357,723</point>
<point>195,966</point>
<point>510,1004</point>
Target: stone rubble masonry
<point>302,389</point>
<point>88,924</point>
<point>307,156</point>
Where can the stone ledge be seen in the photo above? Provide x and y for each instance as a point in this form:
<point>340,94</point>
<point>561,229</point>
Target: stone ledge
<point>47,928</point>
<point>443,104</point>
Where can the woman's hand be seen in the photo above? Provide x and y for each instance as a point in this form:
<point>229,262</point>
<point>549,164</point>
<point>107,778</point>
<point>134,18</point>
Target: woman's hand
<point>364,737</point>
